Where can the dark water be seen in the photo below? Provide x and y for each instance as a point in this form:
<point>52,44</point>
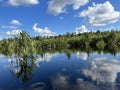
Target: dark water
<point>77,71</point>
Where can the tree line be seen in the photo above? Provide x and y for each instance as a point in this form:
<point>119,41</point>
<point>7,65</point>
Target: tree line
<point>24,43</point>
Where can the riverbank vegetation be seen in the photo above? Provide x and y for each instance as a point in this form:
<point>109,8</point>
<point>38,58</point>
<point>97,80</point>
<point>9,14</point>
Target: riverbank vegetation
<point>25,48</point>
<point>92,41</point>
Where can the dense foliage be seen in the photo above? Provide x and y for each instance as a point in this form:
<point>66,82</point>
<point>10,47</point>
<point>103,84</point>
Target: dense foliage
<point>24,43</point>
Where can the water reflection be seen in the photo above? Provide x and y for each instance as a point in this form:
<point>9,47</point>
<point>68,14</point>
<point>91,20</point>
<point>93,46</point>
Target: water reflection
<point>58,73</point>
<point>38,86</point>
<point>82,55</point>
<point>103,70</point>
<point>63,82</point>
<point>60,82</point>
<point>22,66</point>
<point>46,57</point>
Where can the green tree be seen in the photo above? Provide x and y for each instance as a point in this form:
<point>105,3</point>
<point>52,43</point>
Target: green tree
<point>100,44</point>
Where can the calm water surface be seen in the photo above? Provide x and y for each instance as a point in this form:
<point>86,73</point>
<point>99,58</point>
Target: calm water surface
<point>58,71</point>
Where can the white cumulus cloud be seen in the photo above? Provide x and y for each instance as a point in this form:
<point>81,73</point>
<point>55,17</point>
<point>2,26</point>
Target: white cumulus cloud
<point>13,32</point>
<point>15,22</point>
<point>101,14</point>
<point>13,27</point>
<point>43,31</point>
<point>81,29</point>
<point>22,2</point>
<point>8,27</point>
<point>56,7</point>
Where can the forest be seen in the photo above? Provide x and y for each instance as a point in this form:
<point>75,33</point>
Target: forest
<point>107,41</point>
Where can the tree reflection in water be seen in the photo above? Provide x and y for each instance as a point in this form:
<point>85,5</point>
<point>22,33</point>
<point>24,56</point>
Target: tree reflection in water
<point>96,74</point>
<point>22,66</point>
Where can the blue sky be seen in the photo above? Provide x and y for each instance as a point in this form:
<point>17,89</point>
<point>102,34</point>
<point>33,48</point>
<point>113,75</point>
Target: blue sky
<point>52,17</point>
